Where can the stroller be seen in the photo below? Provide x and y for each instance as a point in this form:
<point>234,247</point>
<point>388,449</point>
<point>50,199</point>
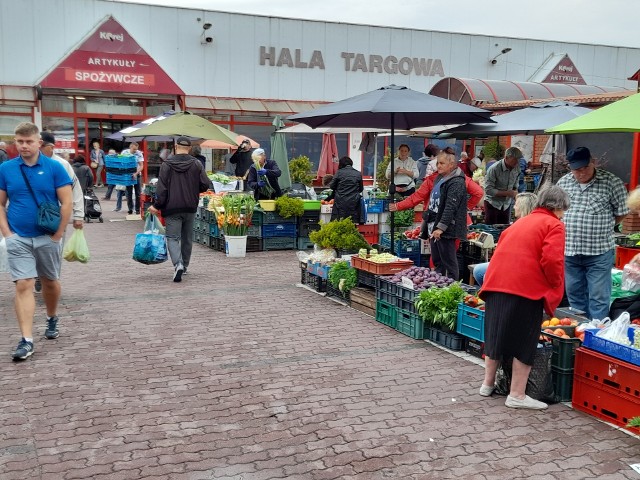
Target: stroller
<point>92,208</point>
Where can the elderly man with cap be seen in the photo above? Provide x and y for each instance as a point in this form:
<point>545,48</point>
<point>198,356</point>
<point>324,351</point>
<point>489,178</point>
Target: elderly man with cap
<point>264,180</point>
<point>598,203</point>
<point>501,188</point>
<point>180,181</point>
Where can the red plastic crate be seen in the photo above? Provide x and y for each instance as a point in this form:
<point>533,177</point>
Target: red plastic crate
<point>611,407</point>
<point>371,239</point>
<point>609,373</point>
<point>369,230</point>
<point>624,255</point>
<point>417,217</point>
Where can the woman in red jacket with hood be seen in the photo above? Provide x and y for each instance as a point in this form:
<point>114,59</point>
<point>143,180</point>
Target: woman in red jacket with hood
<point>525,276</point>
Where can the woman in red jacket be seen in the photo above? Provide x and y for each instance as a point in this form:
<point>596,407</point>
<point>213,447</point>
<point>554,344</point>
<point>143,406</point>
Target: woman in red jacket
<point>525,276</point>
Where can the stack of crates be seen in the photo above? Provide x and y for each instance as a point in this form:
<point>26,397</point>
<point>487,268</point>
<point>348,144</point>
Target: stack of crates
<point>277,233</point>
<point>120,169</point>
<point>307,223</point>
<point>403,247</point>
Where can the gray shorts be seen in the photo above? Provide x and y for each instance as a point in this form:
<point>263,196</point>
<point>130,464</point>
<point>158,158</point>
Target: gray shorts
<point>33,257</point>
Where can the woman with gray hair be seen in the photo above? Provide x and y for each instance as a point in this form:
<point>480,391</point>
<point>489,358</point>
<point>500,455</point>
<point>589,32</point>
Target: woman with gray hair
<point>516,297</point>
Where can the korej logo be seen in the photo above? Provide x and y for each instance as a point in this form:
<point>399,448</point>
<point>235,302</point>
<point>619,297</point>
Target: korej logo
<point>112,36</point>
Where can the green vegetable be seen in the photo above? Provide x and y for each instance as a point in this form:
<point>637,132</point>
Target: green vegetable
<point>634,422</point>
<point>289,207</point>
<point>402,218</point>
<point>439,306</point>
<point>339,234</point>
<point>220,178</point>
<point>343,277</point>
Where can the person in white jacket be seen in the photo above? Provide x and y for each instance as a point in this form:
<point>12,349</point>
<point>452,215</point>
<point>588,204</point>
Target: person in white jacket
<point>405,172</point>
<point>48,143</point>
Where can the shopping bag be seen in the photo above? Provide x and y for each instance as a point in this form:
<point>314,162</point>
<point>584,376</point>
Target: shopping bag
<point>540,381</point>
<point>150,248</point>
<point>4,256</point>
<point>76,249</point>
<point>153,225</point>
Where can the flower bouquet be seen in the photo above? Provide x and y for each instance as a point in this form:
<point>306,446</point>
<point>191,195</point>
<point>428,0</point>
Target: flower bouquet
<point>234,213</point>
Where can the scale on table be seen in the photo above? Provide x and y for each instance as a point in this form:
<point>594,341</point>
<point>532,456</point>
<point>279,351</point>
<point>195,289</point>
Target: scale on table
<point>485,242</point>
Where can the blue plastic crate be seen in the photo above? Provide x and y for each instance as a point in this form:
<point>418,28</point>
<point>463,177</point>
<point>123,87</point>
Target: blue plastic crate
<point>403,246</point>
<point>470,322</point>
<point>613,349</point>
<point>377,205</point>
<point>123,162</point>
<point>121,179</point>
<point>279,230</point>
<point>214,231</point>
<point>323,271</point>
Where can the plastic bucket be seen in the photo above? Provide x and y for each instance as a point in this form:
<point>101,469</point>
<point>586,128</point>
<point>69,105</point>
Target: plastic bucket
<point>235,246</point>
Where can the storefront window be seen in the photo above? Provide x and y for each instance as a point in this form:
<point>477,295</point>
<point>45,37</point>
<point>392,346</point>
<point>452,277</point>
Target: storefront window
<point>109,105</point>
<point>158,107</point>
<point>53,103</point>
<point>62,129</point>
<point>8,124</point>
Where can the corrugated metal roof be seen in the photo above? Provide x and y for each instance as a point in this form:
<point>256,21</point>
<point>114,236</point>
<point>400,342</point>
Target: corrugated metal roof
<point>584,100</point>
<point>248,105</point>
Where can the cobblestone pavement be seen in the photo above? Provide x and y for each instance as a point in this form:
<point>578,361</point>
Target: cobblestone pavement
<point>238,374</point>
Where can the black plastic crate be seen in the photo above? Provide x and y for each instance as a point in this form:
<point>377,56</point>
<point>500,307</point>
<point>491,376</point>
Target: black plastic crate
<point>336,293</point>
<point>262,218</point>
<point>304,243</point>
<point>309,217</point>
<point>306,228</point>
<point>317,283</point>
<point>366,279</point>
<point>279,243</point>
<point>254,244</point>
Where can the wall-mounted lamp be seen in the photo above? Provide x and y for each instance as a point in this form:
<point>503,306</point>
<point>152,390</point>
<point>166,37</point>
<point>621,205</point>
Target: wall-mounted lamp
<point>204,38</point>
<point>494,60</point>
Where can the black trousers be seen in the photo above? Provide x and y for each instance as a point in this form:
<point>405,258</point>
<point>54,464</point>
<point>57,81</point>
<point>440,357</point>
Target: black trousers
<point>443,254</point>
<point>494,216</point>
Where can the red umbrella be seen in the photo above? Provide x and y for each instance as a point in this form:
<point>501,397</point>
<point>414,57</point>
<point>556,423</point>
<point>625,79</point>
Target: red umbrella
<point>328,156</point>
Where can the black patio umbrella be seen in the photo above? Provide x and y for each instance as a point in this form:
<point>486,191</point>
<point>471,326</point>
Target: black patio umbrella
<point>533,120</point>
<point>392,107</point>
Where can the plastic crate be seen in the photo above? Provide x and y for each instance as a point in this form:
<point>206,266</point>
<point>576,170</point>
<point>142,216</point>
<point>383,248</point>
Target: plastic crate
<point>562,383</point>
<point>617,350</point>
<point>470,322</point>
<point>317,283</point>
<point>589,398</point>
<point>278,243</point>
<point>304,243</point>
<point>323,271</point>
<point>312,267</point>
<point>402,246</point>
<point>214,230</point>
<point>254,244</point>
<point>279,230</point>
<point>564,349</point>
<point>368,230</point>
<point>303,274</point>
<point>416,258</point>
<point>336,293</point>
<point>609,373</point>
<point>474,347</point>
<point>306,228</point>
<point>208,240</point>
<point>365,279</point>
<point>377,205</point>
<point>386,285</point>
<point>263,218</point>
<point>380,268</point>
<point>386,296</point>
<point>310,216</point>
<point>121,179</point>
<point>452,341</point>
<point>386,314</point>
<point>410,324</point>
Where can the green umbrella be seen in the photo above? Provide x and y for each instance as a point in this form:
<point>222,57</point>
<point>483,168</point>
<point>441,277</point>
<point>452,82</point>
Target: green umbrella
<point>279,153</point>
<point>185,124</point>
<point>620,116</point>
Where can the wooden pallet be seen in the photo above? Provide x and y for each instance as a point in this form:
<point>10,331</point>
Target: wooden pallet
<point>364,300</point>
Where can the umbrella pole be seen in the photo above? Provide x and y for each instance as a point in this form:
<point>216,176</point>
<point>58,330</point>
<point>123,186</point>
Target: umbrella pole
<point>391,195</point>
<point>375,160</point>
<point>553,158</point>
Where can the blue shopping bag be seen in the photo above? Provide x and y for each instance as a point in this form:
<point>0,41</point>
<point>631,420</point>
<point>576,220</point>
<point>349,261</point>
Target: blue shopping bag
<point>151,246</point>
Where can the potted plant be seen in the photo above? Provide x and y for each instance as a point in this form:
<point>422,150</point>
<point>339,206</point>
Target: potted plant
<point>493,150</point>
<point>342,235</point>
<point>300,170</point>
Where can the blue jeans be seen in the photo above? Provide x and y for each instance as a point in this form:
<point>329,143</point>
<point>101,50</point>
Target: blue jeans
<point>479,272</point>
<point>588,283</point>
<point>122,193</point>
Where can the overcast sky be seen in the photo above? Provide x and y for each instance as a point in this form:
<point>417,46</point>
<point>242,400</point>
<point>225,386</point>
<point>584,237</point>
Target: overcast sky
<point>606,22</point>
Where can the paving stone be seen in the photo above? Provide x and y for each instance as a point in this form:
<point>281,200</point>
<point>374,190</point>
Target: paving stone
<point>237,373</point>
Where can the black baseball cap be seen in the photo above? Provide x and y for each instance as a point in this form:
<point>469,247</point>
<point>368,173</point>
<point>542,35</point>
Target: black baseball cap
<point>47,138</point>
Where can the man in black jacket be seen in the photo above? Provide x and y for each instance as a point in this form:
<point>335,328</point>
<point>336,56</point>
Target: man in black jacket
<point>181,180</point>
<point>242,159</point>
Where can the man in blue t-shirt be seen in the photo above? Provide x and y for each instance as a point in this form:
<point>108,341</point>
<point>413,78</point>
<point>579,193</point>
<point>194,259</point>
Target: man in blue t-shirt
<point>32,252</point>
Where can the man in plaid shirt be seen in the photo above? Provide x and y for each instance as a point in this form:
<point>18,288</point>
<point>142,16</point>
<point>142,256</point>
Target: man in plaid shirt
<point>598,203</point>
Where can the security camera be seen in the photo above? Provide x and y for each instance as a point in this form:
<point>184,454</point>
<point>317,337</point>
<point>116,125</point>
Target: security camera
<point>208,39</point>
<point>206,26</point>
<point>504,50</point>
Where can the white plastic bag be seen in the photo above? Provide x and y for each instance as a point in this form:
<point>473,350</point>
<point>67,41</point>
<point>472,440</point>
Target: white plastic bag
<point>617,330</point>
<point>4,256</point>
<point>631,277</point>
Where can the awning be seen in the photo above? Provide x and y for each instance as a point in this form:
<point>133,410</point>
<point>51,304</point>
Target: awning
<point>473,91</point>
<point>249,105</point>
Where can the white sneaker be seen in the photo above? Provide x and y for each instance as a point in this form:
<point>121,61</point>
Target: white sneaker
<point>177,276</point>
<point>527,402</point>
<point>486,390</point>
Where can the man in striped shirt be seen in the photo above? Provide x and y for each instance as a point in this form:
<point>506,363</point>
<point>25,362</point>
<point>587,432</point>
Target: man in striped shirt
<point>598,203</point>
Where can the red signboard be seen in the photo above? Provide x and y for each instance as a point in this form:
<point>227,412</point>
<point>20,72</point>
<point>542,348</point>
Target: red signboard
<point>565,72</point>
<point>110,59</point>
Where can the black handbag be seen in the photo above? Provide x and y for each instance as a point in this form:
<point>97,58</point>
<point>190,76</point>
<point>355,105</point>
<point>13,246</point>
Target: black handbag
<point>48,216</point>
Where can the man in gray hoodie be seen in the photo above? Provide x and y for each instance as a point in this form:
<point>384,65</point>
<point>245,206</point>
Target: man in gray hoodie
<point>181,180</point>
